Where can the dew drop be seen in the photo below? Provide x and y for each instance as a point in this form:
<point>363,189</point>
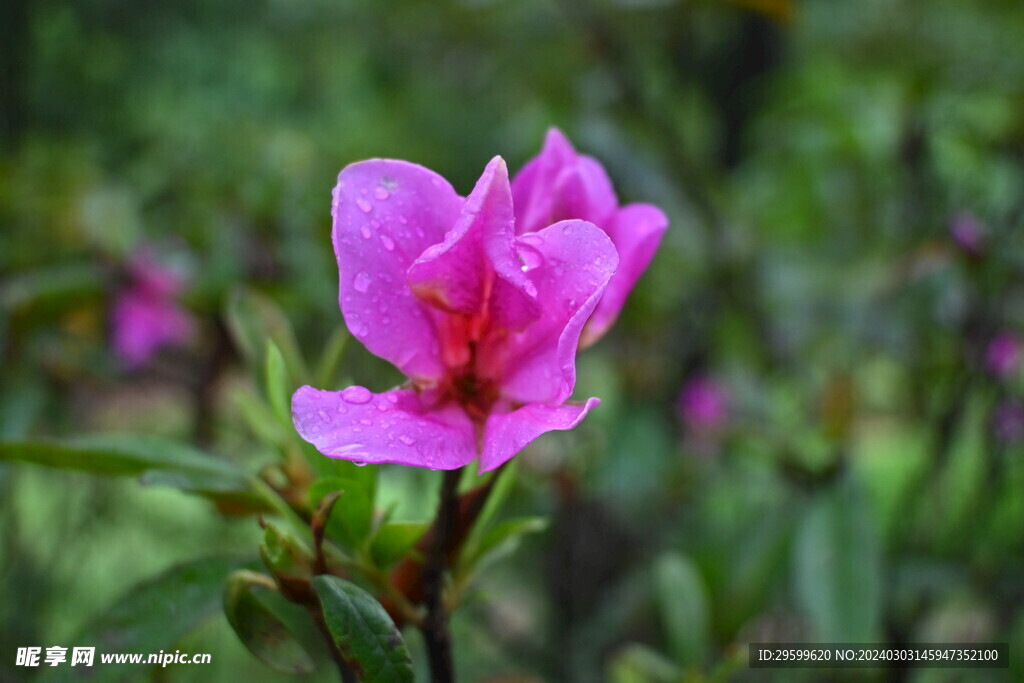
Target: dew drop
<point>359,464</point>
<point>366,232</point>
<point>364,205</point>
<point>357,395</point>
<point>361,283</point>
<point>381,194</point>
<point>388,243</point>
<point>365,422</point>
<point>407,440</point>
<point>403,220</point>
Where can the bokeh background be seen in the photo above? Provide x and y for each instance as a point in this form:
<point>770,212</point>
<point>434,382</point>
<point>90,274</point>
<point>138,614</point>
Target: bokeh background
<point>813,417</point>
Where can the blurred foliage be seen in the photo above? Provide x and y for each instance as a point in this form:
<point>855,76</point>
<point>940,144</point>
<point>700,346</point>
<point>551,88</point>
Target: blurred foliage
<point>812,156</point>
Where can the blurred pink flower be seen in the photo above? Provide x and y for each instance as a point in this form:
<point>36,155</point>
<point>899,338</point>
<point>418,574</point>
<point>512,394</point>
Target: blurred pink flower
<point>146,316</point>
<point>967,233</point>
<point>1003,355</point>
<point>560,184</point>
<point>484,323</point>
<point>703,404</point>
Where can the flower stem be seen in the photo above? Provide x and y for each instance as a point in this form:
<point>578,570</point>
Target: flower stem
<point>435,626</point>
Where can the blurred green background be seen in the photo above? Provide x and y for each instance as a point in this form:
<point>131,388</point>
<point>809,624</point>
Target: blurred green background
<point>845,463</point>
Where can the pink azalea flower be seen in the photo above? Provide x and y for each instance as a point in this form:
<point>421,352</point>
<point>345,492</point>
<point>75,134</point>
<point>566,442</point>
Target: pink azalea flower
<point>1003,355</point>
<point>967,233</point>
<point>703,404</point>
<point>145,315</point>
<point>560,184</point>
<point>484,323</point>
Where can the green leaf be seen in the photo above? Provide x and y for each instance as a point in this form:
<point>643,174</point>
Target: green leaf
<point>330,359</point>
<point>393,540</point>
<point>285,555</point>
<point>683,602</point>
<point>56,288</point>
<point>363,632</point>
<point>838,567</point>
<point>498,496</point>
<point>260,418</point>
<point>639,664</point>
<point>158,460</point>
<point>258,627</point>
<point>155,614</point>
<point>502,540</point>
<point>352,516</point>
<point>279,389</point>
<point>115,454</point>
<point>253,319</point>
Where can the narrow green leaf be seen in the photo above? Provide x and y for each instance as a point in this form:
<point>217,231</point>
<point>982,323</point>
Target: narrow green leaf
<point>502,540</point>
<point>252,319</point>
<point>352,516</point>
<point>682,599</point>
<point>330,359</point>
<point>363,632</point>
<point>159,461</point>
<point>838,567</point>
<point>279,389</point>
<point>52,289</point>
<point>393,540</point>
<point>115,454</point>
<point>260,418</point>
<point>498,496</point>
<point>259,628</point>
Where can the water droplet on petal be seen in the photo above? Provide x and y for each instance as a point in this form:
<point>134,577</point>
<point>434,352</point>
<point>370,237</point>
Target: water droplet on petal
<point>366,232</point>
<point>364,206</point>
<point>392,398</point>
<point>365,422</point>
<point>361,283</point>
<point>403,220</point>
<point>381,194</point>
<point>388,243</point>
<point>359,464</point>
<point>407,440</point>
<point>357,395</point>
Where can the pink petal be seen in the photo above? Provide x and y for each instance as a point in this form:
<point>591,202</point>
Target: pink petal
<point>455,274</point>
<point>386,213</point>
<point>143,324</point>
<point>570,264</point>
<point>505,434</point>
<point>532,188</point>
<point>394,427</point>
<point>636,231</point>
<point>584,191</point>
